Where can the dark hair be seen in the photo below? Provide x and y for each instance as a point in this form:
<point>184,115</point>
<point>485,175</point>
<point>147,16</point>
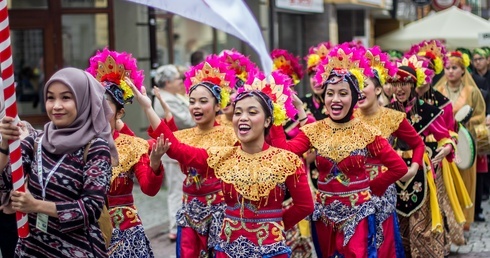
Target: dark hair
<point>113,100</point>
<point>197,57</point>
<point>215,90</point>
<point>262,98</point>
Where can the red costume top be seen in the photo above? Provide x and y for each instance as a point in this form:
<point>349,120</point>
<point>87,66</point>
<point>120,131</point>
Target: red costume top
<point>344,197</point>
<point>202,191</point>
<point>133,161</point>
<point>253,187</point>
<point>393,125</point>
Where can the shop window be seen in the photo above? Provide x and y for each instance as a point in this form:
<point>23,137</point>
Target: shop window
<point>27,54</point>
<point>27,4</point>
<point>84,3</point>
<point>82,35</point>
<point>351,24</point>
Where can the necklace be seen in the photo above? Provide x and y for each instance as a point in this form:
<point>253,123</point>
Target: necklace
<point>453,94</point>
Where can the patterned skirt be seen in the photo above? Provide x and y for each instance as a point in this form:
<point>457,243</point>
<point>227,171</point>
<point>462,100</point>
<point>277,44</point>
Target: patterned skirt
<point>131,242</point>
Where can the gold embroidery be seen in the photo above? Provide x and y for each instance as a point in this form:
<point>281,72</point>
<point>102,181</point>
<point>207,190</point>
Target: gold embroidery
<point>385,120</point>
<point>222,120</point>
<point>254,176</point>
<point>337,141</point>
<point>217,136</point>
<point>120,213</point>
<point>262,232</point>
<point>129,149</point>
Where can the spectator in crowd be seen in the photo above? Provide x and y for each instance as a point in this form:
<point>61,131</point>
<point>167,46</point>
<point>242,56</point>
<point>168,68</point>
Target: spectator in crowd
<point>170,86</point>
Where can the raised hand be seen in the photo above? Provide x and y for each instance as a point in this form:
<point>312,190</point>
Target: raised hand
<point>141,97</point>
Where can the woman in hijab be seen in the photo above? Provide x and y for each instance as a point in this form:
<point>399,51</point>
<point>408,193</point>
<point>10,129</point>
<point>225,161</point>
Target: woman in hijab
<point>66,190</point>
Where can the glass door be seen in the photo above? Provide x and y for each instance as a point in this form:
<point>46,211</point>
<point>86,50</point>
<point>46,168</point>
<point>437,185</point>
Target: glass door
<point>33,43</point>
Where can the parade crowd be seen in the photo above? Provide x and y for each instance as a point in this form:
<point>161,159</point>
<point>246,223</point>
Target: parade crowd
<point>386,157</point>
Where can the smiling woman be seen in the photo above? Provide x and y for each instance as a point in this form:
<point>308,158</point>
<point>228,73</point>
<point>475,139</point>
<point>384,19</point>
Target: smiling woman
<point>252,176</point>
<point>420,211</point>
<point>344,217</point>
<point>65,194</point>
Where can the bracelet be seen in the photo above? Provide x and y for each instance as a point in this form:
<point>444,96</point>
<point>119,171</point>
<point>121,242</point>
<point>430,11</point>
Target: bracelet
<point>303,119</point>
<point>4,151</point>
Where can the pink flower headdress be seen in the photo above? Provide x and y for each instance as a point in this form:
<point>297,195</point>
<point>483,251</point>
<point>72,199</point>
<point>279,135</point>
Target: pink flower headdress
<point>240,64</point>
<point>213,74</point>
<point>277,87</point>
<point>344,61</point>
<point>423,75</point>
<point>315,55</point>
<point>110,68</point>
<point>434,50</point>
<point>288,64</point>
<point>380,62</point>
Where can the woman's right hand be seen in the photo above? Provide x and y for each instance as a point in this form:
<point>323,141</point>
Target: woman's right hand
<point>9,131</point>
<point>141,97</point>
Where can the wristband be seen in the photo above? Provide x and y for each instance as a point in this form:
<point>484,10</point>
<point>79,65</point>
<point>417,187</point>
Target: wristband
<point>4,151</point>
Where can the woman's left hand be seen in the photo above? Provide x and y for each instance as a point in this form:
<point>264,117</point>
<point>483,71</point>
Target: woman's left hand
<point>442,152</point>
<point>24,202</point>
<point>158,149</point>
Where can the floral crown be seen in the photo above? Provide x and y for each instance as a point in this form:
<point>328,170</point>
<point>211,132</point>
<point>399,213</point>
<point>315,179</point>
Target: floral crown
<point>277,87</point>
<point>210,73</point>
<point>380,63</point>
<point>315,55</point>
<point>432,49</point>
<point>463,56</point>
<point>110,68</point>
<point>395,54</point>
<point>240,64</point>
<point>423,75</point>
<point>343,60</point>
<point>288,64</point>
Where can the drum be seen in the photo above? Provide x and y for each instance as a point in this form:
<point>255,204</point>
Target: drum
<point>466,149</point>
<point>482,134</point>
<point>464,114</point>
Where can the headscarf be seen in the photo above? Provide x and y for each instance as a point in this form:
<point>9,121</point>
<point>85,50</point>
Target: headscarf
<point>93,114</point>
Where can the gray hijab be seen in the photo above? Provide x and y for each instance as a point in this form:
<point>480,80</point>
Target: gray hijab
<point>93,114</point>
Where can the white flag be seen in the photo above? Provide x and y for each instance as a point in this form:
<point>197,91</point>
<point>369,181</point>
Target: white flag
<point>231,16</point>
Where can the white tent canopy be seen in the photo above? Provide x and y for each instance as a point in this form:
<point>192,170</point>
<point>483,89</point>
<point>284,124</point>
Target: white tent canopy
<point>457,28</point>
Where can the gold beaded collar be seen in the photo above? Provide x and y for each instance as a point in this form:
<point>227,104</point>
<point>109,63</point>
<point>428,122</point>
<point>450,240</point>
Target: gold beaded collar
<point>217,136</point>
<point>385,120</point>
<point>130,149</point>
<point>254,176</point>
<point>337,140</point>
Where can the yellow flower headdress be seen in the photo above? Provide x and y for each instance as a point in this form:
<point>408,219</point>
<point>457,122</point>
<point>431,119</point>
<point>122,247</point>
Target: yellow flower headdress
<point>213,74</point>
<point>380,63</point>
<point>343,60</point>
<point>434,50</point>
<point>277,88</point>
<point>315,55</point>
<point>423,75</point>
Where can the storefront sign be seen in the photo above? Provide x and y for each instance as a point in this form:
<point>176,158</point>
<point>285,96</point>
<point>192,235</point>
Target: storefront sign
<point>311,6</point>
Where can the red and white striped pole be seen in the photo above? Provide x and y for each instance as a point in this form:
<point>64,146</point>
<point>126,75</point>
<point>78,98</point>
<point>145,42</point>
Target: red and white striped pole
<point>7,69</point>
